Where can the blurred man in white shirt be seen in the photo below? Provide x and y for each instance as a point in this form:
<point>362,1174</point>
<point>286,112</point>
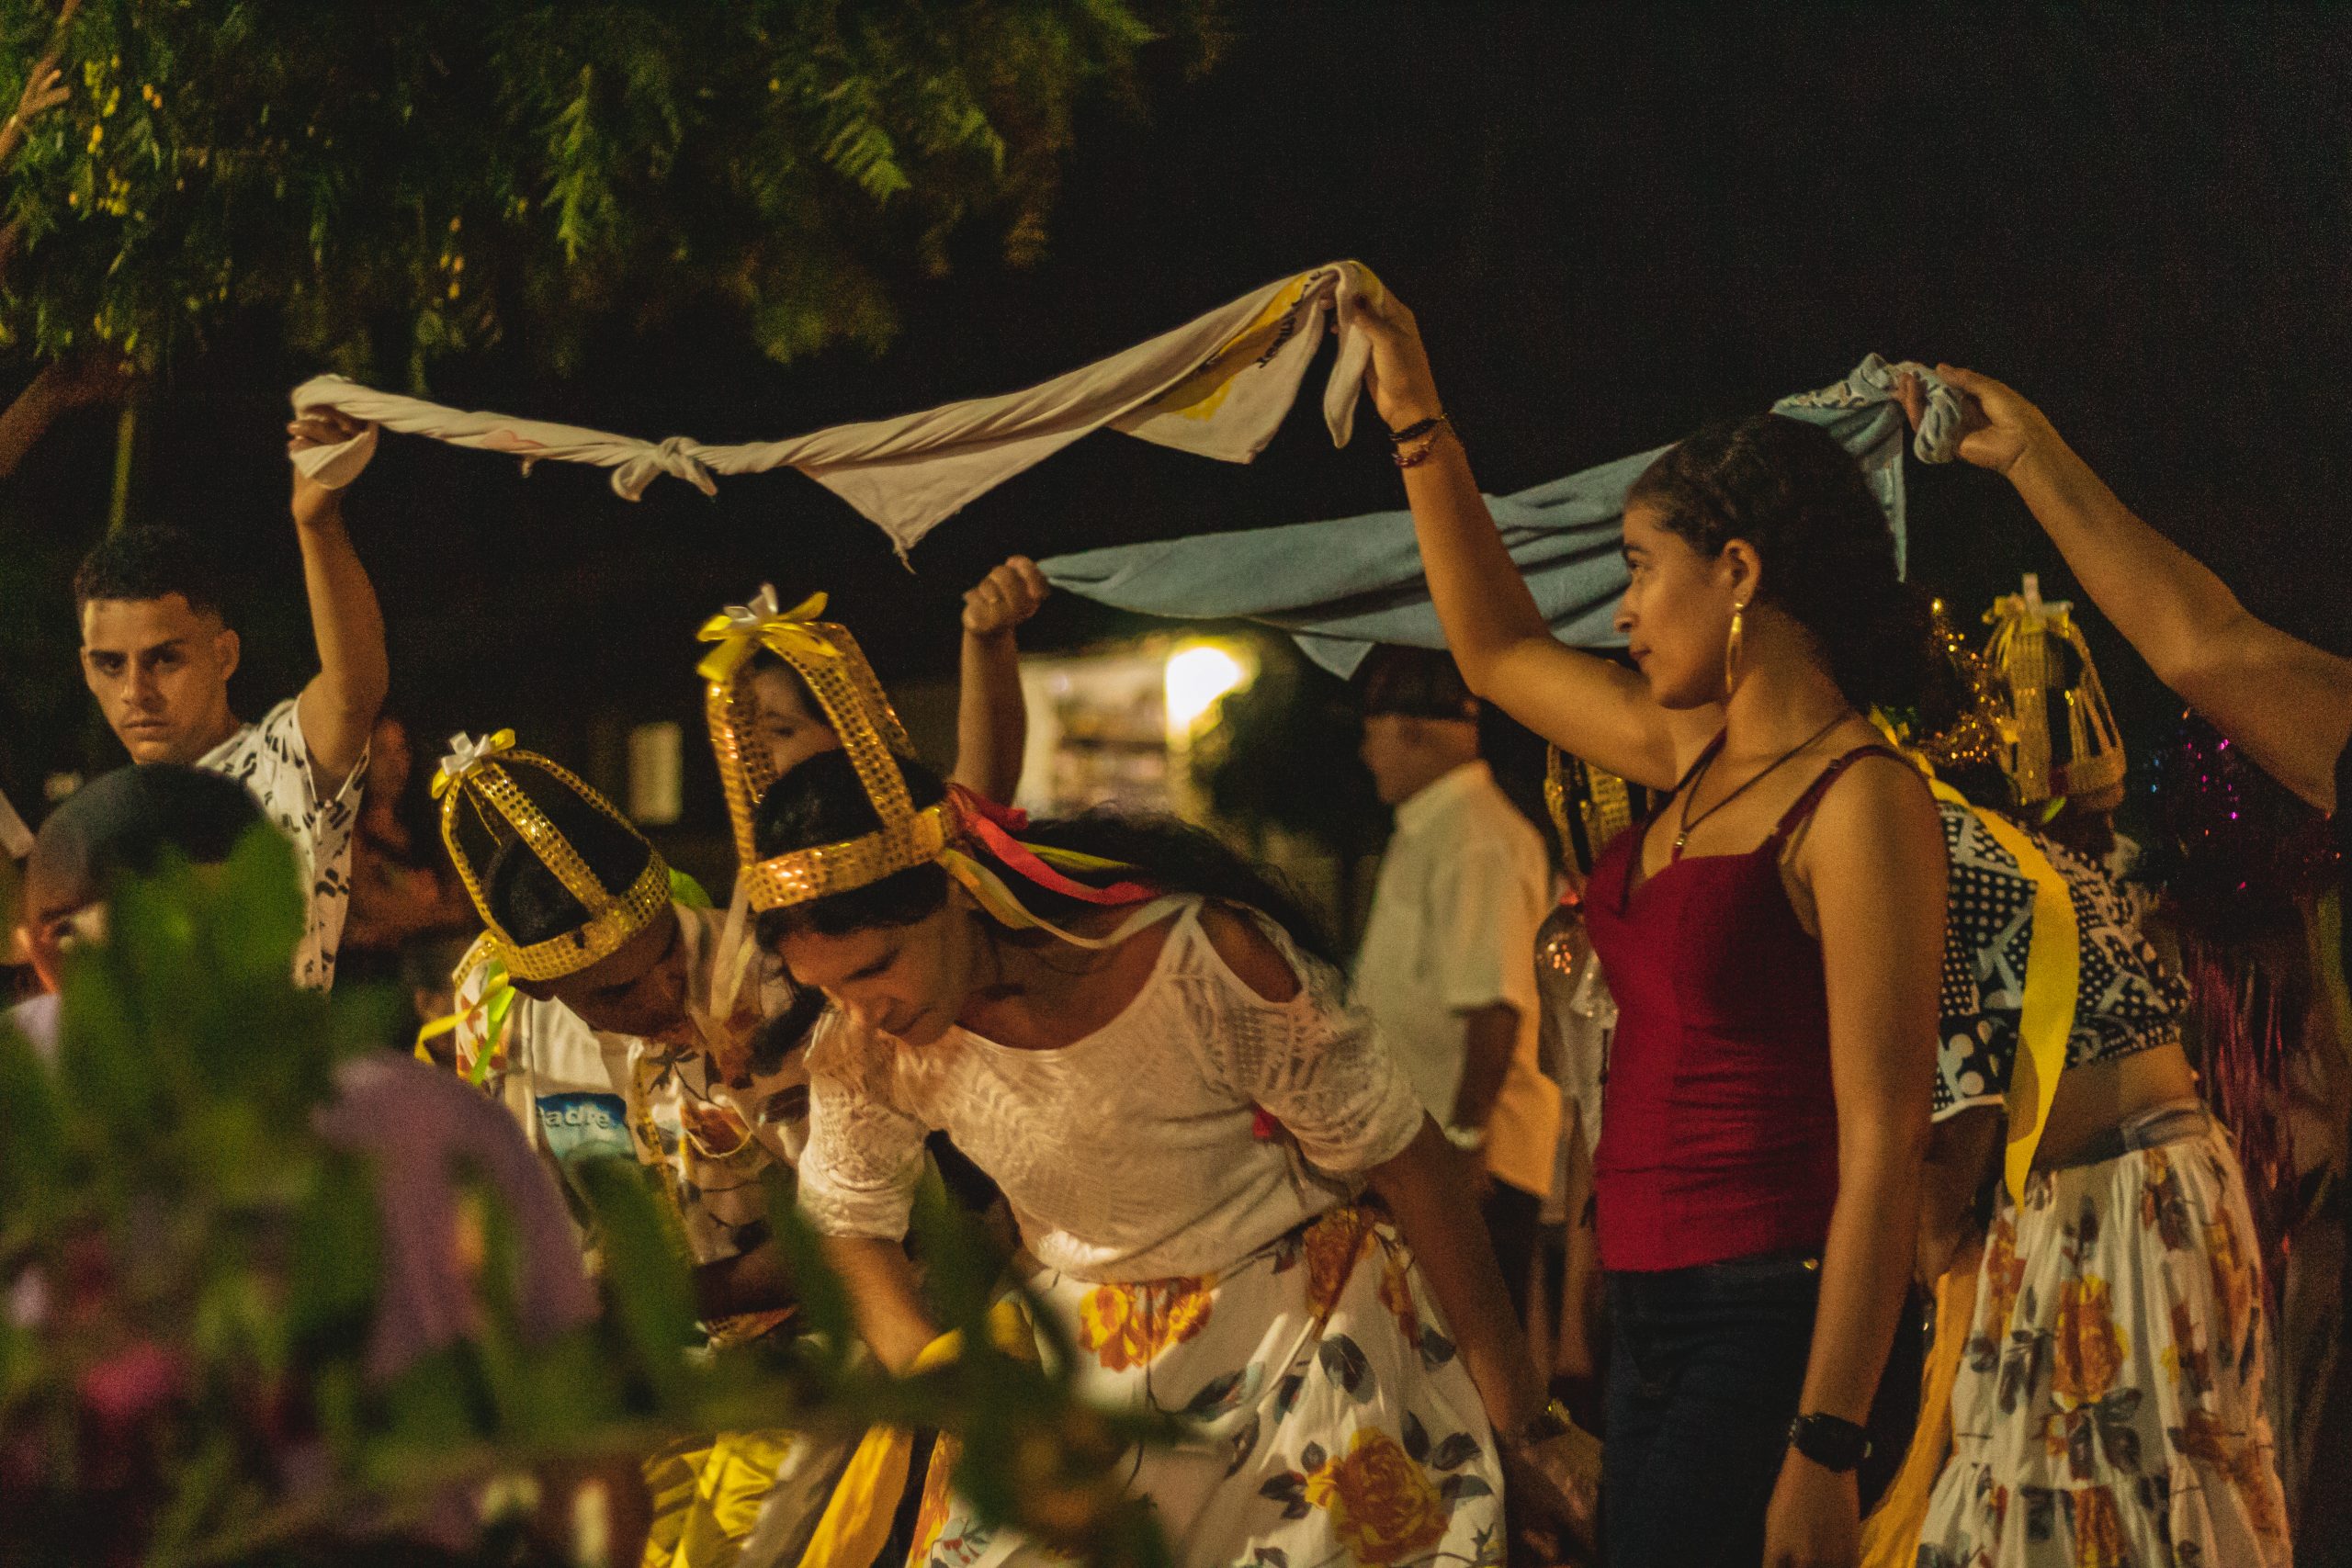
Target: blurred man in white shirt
<point>1447,968</point>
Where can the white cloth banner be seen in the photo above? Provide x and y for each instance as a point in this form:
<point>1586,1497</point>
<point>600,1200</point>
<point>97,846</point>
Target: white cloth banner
<point>1219,386</point>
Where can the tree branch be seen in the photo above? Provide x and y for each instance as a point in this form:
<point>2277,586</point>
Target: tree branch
<point>74,382</point>
<point>44,88</point>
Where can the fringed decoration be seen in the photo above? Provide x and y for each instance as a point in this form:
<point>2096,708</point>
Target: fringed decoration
<point>2247,1016</point>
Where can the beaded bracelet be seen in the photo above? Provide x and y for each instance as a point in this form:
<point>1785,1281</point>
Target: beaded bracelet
<point>1420,453</point>
<point>1419,427</point>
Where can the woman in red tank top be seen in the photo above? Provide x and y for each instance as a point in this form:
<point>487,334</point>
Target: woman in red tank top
<point>1773,937</point>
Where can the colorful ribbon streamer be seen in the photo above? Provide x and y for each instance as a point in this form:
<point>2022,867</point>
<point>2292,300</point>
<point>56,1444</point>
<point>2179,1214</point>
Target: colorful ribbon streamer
<point>994,826</point>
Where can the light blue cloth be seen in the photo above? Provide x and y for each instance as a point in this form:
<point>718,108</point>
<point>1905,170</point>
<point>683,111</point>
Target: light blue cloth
<point>1342,585</point>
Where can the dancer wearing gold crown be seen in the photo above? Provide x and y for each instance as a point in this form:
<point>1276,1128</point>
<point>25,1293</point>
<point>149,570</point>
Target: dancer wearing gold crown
<point>1140,1038</point>
<point>648,1030</point>
<point>2104,1348</point>
<point>604,1008</point>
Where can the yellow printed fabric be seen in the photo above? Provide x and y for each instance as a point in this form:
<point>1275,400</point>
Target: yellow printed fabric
<point>1199,396</point>
<point>2053,977</point>
<point>1217,386</point>
<point>707,1493</point>
<point>1890,1533</point>
<point>857,1521</point>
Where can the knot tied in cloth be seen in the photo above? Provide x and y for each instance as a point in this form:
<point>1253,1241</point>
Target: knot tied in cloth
<point>678,456</point>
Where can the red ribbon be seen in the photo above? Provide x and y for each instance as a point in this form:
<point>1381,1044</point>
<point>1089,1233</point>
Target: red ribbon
<point>994,826</point>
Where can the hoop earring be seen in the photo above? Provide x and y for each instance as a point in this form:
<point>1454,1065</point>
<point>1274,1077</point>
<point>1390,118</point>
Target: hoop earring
<point>1731,647</point>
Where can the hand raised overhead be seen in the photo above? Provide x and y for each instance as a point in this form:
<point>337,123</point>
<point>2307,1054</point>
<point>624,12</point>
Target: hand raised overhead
<point>1005,598</point>
<point>320,427</point>
<point>1998,425</point>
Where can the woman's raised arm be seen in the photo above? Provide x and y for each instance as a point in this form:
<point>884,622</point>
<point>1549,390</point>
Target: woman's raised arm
<point>2289,704</point>
<point>1582,703</point>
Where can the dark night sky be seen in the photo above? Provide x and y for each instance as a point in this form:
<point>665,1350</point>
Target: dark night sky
<point>1613,223</point>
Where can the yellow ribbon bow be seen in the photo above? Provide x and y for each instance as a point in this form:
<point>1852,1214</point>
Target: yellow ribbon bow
<point>740,630</point>
<point>466,754</point>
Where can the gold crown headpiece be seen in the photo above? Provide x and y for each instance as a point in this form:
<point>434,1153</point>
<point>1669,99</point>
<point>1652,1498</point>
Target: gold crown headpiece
<point>2052,691</point>
<point>1979,734</point>
<point>828,659</point>
<point>1589,807</point>
<point>487,775</point>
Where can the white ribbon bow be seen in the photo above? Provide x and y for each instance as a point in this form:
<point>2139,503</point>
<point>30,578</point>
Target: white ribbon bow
<point>764,606</point>
<point>466,753</point>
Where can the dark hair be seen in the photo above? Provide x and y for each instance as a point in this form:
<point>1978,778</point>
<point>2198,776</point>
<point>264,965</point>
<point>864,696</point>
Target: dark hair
<point>822,802</point>
<point>122,824</point>
<point>148,562</point>
<point>767,662</point>
<point>1790,490</point>
<point>526,898</point>
<point>429,959</point>
<point>1417,682</point>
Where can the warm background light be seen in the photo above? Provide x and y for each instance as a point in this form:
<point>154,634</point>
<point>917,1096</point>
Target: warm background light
<point>1198,675</point>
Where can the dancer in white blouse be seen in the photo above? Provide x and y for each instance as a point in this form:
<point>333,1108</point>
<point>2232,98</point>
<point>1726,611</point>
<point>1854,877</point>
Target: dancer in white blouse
<point>1146,1049</point>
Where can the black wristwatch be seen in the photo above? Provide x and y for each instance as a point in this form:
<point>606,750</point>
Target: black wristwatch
<point>1829,1442</point>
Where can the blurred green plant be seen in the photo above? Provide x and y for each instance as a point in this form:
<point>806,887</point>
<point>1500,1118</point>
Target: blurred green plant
<point>398,183</point>
<point>192,1278</point>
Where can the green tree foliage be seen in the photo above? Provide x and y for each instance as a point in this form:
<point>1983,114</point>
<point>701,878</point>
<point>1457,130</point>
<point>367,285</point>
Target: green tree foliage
<point>400,182</point>
<point>193,1280</point>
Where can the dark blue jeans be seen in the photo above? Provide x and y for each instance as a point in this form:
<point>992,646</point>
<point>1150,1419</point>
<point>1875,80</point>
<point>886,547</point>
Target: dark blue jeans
<point>1706,1366</point>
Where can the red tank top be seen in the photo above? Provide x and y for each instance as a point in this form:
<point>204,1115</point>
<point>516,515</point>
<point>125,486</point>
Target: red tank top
<point>1718,1130</point>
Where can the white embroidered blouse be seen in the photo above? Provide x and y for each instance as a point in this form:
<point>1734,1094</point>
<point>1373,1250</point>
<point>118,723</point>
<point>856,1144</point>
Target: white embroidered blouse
<point>1132,1153</point>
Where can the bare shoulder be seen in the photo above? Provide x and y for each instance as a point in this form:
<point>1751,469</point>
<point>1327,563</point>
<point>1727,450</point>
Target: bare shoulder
<point>1879,791</point>
<point>1249,951</point>
<point>1878,813</point>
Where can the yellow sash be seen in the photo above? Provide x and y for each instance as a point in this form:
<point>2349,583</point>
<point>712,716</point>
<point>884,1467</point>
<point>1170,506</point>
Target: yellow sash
<point>857,1521</point>
<point>1890,1533</point>
<point>2053,963</point>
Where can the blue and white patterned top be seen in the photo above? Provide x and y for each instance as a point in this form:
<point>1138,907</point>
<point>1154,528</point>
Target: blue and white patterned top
<point>2127,999</point>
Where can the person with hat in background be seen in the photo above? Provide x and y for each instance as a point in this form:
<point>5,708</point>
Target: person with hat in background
<point>1447,967</point>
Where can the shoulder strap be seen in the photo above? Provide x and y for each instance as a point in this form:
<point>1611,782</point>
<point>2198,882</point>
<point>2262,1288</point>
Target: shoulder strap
<point>1805,804</point>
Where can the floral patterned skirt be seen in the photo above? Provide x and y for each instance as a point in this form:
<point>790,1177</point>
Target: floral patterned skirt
<point>2108,1409</point>
<point>1332,1422</point>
